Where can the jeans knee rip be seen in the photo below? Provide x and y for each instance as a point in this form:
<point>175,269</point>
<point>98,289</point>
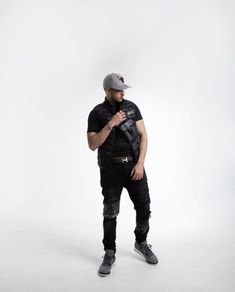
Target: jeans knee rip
<point>111,210</point>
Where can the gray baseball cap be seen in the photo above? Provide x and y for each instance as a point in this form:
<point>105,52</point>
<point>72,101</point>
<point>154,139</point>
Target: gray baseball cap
<point>115,81</point>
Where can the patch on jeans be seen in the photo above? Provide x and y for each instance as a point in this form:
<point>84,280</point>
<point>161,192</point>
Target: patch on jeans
<point>111,210</point>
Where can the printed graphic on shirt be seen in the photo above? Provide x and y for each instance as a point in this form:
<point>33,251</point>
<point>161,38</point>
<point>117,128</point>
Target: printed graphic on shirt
<point>130,113</point>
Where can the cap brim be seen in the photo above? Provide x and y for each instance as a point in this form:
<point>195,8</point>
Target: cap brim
<point>122,87</point>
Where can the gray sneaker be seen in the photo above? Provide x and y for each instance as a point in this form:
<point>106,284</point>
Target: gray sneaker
<point>107,264</point>
<point>144,249</point>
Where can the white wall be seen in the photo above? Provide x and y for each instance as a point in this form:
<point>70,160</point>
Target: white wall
<point>179,58</point>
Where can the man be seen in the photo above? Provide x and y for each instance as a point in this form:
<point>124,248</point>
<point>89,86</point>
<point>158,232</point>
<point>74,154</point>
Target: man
<point>116,128</point>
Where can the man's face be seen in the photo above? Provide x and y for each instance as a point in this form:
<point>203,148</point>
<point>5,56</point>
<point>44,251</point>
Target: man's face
<point>116,95</point>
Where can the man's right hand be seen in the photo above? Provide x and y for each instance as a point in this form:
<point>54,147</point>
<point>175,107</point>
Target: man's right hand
<point>95,140</point>
<point>117,118</point>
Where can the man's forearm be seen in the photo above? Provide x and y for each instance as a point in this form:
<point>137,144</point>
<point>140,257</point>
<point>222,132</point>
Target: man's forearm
<point>143,148</point>
<point>98,139</point>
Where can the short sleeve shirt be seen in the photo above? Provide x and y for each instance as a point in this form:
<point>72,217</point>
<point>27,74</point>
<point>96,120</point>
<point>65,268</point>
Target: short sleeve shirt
<point>94,124</point>
<point>121,146</point>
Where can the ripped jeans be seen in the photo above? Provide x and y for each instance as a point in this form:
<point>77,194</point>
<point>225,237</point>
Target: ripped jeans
<point>112,180</point>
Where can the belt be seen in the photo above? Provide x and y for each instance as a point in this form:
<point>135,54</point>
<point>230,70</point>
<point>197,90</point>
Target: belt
<point>122,159</point>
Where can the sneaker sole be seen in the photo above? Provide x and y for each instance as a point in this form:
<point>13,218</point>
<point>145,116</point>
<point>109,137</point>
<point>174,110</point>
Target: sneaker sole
<point>140,253</point>
<point>105,275</point>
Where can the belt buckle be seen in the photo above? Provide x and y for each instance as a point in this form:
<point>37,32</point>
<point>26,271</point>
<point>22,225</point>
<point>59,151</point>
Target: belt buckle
<point>124,159</point>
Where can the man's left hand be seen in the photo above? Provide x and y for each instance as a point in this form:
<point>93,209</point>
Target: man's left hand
<point>137,172</point>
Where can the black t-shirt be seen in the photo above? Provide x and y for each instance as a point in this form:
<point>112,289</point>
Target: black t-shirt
<point>121,146</point>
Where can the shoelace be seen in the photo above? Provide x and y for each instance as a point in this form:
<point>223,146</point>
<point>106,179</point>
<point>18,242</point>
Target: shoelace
<point>147,249</point>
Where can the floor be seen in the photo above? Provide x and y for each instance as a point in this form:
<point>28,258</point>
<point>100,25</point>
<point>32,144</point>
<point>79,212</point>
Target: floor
<point>39,257</point>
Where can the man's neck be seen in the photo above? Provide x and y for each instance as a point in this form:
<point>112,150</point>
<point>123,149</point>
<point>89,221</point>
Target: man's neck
<point>111,102</point>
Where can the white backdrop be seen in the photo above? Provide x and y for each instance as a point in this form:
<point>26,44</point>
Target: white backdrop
<point>179,58</point>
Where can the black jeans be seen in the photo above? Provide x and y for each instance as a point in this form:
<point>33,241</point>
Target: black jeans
<point>112,179</point>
